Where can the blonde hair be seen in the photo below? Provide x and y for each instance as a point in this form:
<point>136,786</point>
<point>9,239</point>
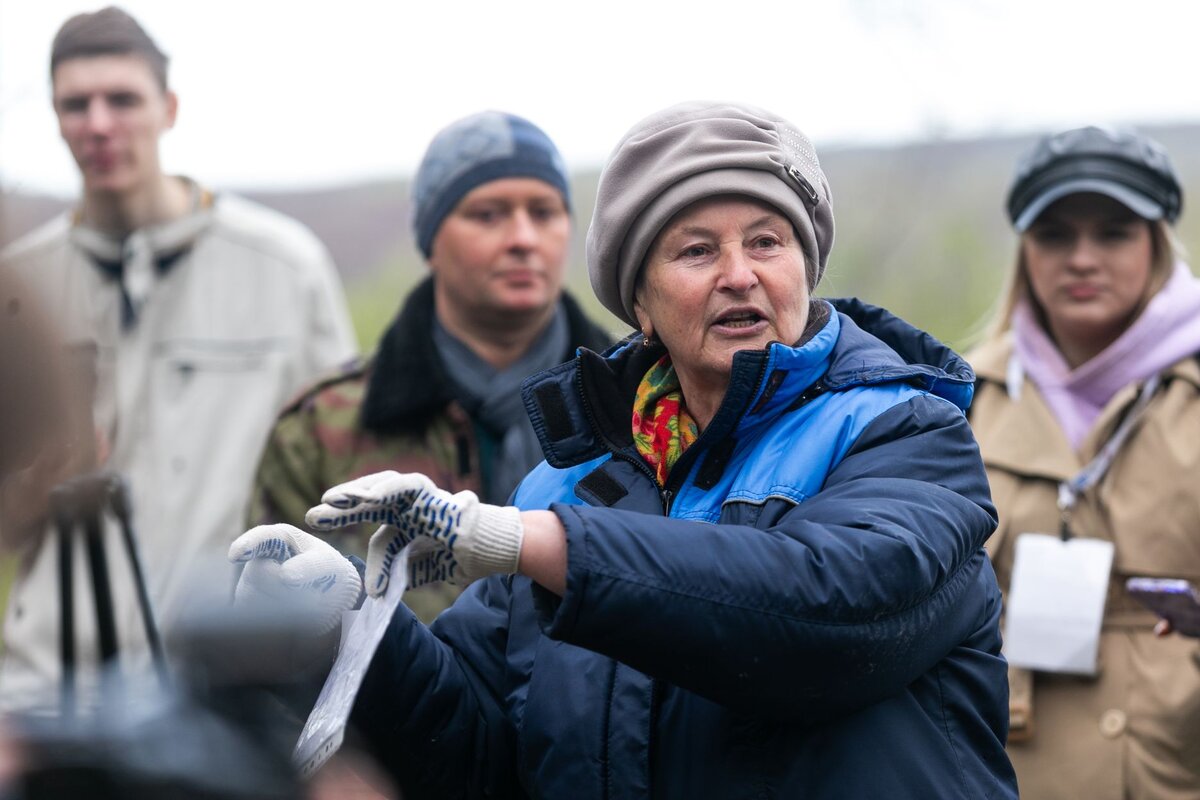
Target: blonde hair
<point>1165,249</point>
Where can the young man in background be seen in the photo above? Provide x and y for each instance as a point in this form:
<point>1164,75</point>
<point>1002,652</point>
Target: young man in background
<point>206,313</point>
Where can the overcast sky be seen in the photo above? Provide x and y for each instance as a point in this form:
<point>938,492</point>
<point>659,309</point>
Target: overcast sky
<point>286,94</point>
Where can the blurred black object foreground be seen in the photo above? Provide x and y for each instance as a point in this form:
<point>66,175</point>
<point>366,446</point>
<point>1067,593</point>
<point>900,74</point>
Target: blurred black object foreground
<point>79,507</point>
<point>220,723</point>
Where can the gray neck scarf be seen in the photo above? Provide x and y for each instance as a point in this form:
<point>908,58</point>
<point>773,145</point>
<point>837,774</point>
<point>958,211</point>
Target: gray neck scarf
<point>493,399</point>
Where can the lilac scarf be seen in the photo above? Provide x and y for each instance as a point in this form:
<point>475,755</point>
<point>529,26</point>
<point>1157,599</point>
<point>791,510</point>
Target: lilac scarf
<point>1167,331</point>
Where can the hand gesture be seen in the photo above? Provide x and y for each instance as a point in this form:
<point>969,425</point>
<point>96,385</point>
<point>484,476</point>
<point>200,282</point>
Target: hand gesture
<point>283,562</point>
<point>455,537</point>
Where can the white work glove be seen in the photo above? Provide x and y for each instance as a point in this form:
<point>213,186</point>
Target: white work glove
<point>455,537</point>
<point>285,563</point>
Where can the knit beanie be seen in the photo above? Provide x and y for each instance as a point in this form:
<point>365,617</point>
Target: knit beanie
<point>689,152</point>
<point>475,150</point>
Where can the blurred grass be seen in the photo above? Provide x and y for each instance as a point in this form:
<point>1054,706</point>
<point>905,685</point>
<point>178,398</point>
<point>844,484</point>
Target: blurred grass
<point>9,564</point>
<point>376,299</point>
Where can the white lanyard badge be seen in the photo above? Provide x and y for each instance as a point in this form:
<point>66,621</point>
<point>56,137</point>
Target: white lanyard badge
<point>1055,605</point>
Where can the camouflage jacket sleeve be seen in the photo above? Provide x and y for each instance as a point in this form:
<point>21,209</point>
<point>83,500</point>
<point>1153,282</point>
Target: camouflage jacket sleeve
<point>289,479</point>
<point>313,446</point>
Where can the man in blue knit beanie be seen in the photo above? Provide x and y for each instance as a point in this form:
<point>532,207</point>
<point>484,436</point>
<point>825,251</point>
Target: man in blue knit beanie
<point>441,395</point>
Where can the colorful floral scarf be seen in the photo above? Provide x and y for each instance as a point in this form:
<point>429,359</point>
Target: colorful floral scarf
<point>662,427</point>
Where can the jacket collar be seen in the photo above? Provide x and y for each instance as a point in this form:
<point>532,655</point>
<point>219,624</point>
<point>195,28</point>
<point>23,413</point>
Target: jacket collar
<point>1021,435</point>
<point>408,384</point>
<point>991,358</point>
<point>137,260</point>
<point>582,409</point>
<point>1018,435</point>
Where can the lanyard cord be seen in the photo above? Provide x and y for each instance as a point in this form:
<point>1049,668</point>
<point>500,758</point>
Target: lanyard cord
<point>1089,476</point>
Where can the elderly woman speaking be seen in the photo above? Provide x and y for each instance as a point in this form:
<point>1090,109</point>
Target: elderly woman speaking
<point>751,564</point>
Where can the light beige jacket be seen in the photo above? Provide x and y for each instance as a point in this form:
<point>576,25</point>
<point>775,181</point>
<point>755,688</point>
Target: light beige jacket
<point>251,313</point>
<point>1132,732</point>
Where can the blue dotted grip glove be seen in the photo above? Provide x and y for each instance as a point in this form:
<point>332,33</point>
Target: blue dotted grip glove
<point>285,563</point>
<point>454,537</point>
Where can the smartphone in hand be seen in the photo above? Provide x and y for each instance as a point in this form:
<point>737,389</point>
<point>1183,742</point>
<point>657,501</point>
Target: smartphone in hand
<point>1173,599</point>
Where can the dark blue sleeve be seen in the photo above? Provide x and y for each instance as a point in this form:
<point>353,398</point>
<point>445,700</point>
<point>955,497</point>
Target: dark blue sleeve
<point>845,600</point>
<point>430,708</point>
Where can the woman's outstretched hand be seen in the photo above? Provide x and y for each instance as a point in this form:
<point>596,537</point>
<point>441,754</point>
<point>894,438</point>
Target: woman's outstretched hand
<point>454,536</point>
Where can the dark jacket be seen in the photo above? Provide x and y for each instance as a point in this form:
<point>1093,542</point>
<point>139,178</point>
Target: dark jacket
<point>833,635</point>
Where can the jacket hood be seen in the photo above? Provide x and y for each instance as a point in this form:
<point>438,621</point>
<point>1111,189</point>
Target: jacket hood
<point>915,356</point>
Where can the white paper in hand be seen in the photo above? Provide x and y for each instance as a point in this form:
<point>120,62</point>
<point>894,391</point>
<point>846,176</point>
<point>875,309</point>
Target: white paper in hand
<point>326,725</point>
<point>1056,603</point>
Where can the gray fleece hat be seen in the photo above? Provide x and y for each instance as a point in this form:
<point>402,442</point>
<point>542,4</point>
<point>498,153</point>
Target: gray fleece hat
<point>689,152</point>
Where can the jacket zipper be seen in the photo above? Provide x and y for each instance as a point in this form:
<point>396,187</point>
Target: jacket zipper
<point>639,463</point>
<point>667,492</point>
<point>808,395</point>
<point>676,477</point>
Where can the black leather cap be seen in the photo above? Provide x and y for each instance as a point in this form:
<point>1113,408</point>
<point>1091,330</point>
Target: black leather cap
<point>1126,166</point>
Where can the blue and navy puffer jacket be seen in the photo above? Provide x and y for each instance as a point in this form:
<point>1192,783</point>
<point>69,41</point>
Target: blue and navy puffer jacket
<point>804,611</point>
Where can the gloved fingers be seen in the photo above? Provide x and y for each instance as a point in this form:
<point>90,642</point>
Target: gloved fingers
<point>294,572</point>
<point>325,517</point>
<point>429,561</point>
<point>326,582</point>
<point>347,493</point>
<point>343,505</point>
<point>319,570</point>
<point>277,543</point>
<point>378,488</point>
<point>380,498</point>
<point>259,580</point>
<point>382,551</point>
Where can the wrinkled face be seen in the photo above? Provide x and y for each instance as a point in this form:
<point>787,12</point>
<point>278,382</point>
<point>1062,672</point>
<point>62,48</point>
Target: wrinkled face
<point>111,113</point>
<point>503,248</point>
<point>1088,259</point>
<point>726,274</point>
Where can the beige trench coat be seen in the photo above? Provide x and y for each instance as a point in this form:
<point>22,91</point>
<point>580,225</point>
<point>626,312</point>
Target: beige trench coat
<point>1134,730</point>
